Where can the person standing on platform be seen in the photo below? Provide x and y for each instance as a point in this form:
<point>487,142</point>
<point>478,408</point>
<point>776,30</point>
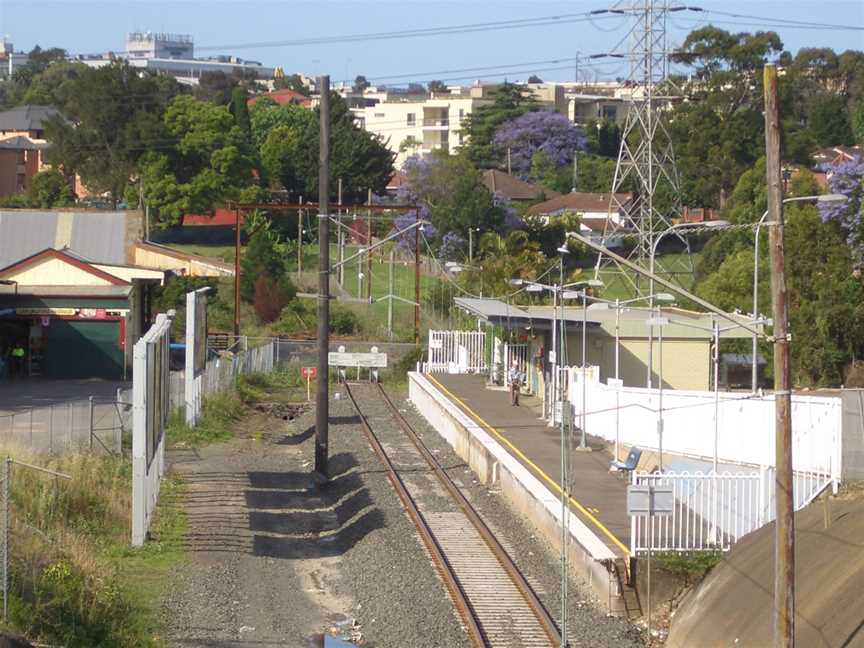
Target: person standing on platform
<point>514,377</point>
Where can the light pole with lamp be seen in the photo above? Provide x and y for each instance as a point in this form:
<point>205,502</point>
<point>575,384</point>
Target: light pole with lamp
<point>471,231</point>
<point>673,228</point>
<point>826,198</point>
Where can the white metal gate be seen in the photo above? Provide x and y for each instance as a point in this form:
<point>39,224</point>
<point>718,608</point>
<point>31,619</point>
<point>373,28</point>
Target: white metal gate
<point>457,352</point>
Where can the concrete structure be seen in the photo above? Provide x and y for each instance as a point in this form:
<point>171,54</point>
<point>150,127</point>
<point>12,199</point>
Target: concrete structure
<point>76,319</point>
<point>22,146</point>
<point>173,54</point>
<point>10,60</point>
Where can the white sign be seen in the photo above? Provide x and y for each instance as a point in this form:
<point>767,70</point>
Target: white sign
<point>552,356</point>
<point>657,321</point>
<point>341,359</point>
<point>650,500</point>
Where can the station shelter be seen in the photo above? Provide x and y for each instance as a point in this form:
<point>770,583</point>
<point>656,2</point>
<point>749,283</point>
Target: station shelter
<point>73,318</point>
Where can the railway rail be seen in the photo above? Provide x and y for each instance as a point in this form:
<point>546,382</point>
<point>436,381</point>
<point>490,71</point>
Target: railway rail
<point>499,607</point>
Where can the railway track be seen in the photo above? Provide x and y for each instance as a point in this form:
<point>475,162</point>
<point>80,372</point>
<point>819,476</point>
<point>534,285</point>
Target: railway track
<point>498,606</point>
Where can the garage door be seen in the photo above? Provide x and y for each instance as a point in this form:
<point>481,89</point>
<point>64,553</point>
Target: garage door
<point>82,350</point>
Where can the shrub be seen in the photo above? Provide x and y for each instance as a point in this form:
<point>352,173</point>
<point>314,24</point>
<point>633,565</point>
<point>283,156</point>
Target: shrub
<point>271,296</point>
<point>343,321</point>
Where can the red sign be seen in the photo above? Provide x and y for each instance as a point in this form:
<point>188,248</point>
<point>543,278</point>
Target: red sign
<point>309,372</point>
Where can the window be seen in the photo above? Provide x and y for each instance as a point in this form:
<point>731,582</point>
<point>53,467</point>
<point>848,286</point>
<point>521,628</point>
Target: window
<point>379,115</point>
<point>461,114</point>
<point>412,119</point>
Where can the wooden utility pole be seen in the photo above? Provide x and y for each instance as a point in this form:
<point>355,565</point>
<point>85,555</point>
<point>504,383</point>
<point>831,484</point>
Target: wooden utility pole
<point>300,240</point>
<point>417,285</point>
<point>322,395</point>
<point>784,550</point>
<point>368,245</point>
<point>237,272</point>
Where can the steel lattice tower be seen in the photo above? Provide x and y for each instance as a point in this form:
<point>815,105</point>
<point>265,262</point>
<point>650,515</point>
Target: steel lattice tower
<point>646,161</point>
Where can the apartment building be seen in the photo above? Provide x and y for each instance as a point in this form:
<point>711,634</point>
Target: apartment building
<point>22,146</point>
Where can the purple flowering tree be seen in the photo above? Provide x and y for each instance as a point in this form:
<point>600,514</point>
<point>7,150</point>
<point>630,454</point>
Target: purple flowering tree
<point>549,132</point>
<point>405,242</point>
<point>847,179</point>
<point>452,247</point>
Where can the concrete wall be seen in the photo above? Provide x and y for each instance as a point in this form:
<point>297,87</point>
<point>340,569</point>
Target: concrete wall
<point>525,494</point>
<point>853,433</point>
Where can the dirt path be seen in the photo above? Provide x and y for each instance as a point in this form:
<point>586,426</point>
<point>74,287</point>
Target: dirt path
<point>274,560</point>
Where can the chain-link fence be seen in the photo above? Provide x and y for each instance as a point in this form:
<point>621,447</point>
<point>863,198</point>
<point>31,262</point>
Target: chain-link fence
<point>93,423</point>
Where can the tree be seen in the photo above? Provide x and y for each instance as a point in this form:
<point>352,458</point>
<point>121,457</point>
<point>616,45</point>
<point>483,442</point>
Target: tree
<point>110,117</point>
<point>50,188</point>
<point>847,179</point>
<point>360,159</point>
<point>292,82</point>
<point>266,115</point>
<point>858,122</point>
<point>265,254</point>
<point>215,86</point>
<point>360,84</point>
<point>240,111</point>
<point>534,79</point>
<point>508,101</point>
<point>410,143</point>
<point>52,86</point>
<point>509,257</point>
<point>542,131</point>
<point>603,137</point>
<point>209,164</point>
<point>451,191</point>
<point>437,87</point>
<point>271,296</point>
<point>828,121</point>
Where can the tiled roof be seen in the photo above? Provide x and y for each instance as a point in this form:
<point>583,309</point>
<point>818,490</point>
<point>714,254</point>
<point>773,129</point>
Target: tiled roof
<point>512,187</point>
<point>283,96</point>
<point>26,118</point>
<point>579,202</point>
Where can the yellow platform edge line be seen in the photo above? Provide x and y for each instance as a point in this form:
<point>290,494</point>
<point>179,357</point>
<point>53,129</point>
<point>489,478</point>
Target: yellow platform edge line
<point>555,486</point>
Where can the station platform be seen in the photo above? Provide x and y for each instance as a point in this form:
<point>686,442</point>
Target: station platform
<point>598,497</point>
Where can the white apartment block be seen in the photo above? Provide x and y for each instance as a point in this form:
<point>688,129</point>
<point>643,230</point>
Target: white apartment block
<point>419,127</point>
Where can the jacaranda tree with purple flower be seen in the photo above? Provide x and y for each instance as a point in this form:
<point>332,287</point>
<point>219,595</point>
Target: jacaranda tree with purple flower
<point>847,178</point>
<point>543,131</point>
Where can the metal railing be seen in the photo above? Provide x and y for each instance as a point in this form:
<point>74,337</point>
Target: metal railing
<point>713,511</point>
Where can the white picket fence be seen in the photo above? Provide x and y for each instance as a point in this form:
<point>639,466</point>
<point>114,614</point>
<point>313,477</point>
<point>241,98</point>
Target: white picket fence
<point>456,352</point>
<point>713,511</point>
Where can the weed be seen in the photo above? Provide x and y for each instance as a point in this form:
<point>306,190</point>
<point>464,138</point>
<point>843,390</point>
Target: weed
<point>219,413</point>
<point>689,566</point>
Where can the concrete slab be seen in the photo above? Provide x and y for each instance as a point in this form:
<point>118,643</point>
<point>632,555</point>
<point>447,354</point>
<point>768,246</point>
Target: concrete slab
<point>598,496</point>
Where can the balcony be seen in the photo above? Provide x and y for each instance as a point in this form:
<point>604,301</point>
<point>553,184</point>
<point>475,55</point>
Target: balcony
<point>436,124</point>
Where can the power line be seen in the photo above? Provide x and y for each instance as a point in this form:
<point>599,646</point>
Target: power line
<point>784,21</point>
<point>522,23</point>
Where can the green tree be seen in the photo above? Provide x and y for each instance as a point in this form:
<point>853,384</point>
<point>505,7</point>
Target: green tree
<point>508,101</point>
<point>240,111</point>
<point>265,254</point>
<point>828,121</point>
<point>52,86</point>
<point>266,115</point>
<point>110,117</point>
<point>438,87</point>
<point>858,122</point>
<point>292,82</point>
<point>50,188</point>
<point>509,257</point>
<point>360,84</point>
<point>209,164</point>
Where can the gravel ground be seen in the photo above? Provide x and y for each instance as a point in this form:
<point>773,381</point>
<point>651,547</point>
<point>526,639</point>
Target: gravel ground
<point>274,560</point>
<point>589,625</point>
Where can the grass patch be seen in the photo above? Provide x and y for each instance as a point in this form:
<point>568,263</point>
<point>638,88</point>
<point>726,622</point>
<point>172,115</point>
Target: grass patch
<point>689,566</point>
<point>218,415</point>
<point>75,581</point>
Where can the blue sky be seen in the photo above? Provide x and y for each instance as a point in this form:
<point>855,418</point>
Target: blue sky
<point>97,26</point>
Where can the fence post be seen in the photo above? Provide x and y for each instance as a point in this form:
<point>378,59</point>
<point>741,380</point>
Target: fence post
<point>50,429</point>
<point>90,436</point>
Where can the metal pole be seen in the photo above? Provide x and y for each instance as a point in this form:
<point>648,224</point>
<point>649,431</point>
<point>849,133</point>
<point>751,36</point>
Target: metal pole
<point>7,502</point>
<point>660,404</point>
<point>236,271</point>
<point>583,446</point>
<point>322,404</point>
<point>90,437</point>
<point>390,294</point>
<point>417,285</point>
<point>651,328</point>
<point>716,391</point>
<point>754,371</point>
<point>553,393</point>
<point>784,562</point>
<point>617,387</point>
<point>470,245</point>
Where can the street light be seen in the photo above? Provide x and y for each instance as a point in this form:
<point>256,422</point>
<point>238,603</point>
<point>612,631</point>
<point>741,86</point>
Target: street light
<point>824,198</point>
<point>471,231</point>
<point>673,228</point>
<point>593,283</point>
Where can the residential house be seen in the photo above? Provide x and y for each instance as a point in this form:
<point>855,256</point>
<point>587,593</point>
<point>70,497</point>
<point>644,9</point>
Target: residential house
<point>22,146</point>
<point>283,97</point>
<point>597,212</point>
<point>514,188</point>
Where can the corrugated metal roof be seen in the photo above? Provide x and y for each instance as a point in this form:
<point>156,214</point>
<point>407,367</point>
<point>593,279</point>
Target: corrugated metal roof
<point>26,118</point>
<point>99,237</point>
<point>68,291</point>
